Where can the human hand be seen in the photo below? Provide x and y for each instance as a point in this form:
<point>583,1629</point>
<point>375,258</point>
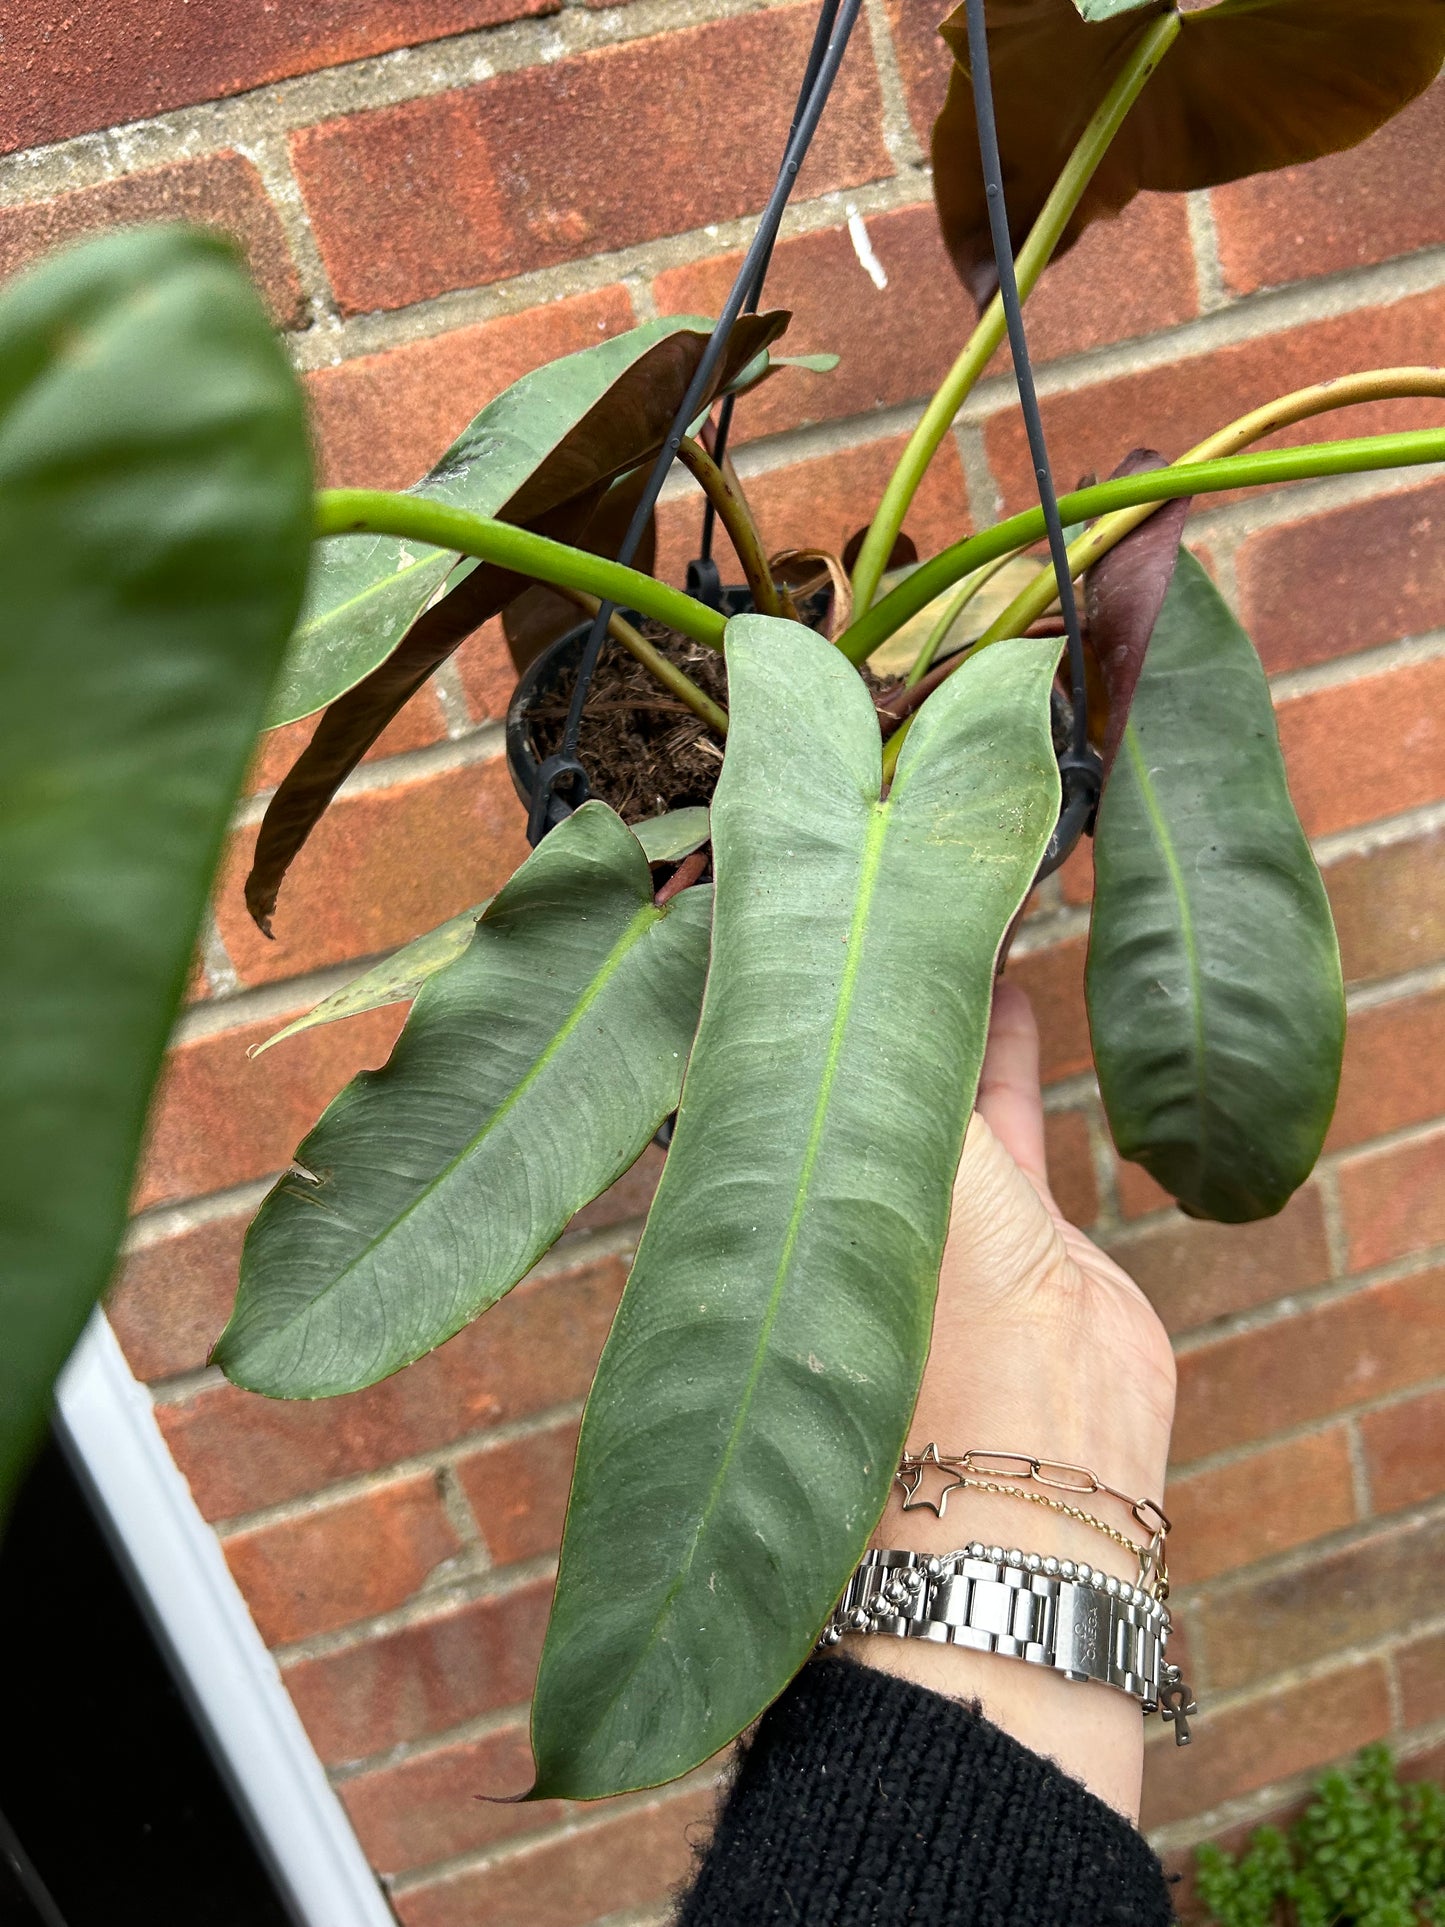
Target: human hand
<point>1043,1346</point>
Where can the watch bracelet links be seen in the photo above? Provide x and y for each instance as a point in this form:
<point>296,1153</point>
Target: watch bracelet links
<point>1082,1623</point>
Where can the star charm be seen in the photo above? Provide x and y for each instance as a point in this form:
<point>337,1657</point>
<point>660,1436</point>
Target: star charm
<point>915,1468</point>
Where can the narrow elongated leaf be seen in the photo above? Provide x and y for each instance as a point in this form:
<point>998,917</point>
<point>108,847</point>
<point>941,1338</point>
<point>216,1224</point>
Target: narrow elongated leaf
<point>530,1075</point>
<point>398,978</point>
<point>1249,85</point>
<point>1214,988</point>
<point>753,1397</point>
<point>1124,592</point>
<point>553,436</point>
<point>154,528</point>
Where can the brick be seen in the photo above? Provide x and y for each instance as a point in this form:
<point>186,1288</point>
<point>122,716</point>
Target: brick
<point>219,1119</point>
<point>1421,1670</point>
<point>420,723</point>
<point>1321,1361</point>
<point>487,676</point>
<point>1139,1195</point>
<point>1054,980</point>
<point>518,1491</point>
<point>1297,1730</point>
<point>819,503</point>
<point>1345,211</point>
<point>448,1801</point>
<point>1360,1593</point>
<point>1305,598</point>
<point>1394,1201</point>
<point>423,1678</point>
<point>923,59</point>
<point>629,1198</point>
<point>1261,1505</point>
<point>1389,907</point>
<point>382,420</point>
<point>1405,1452</point>
<point>341,1562</point>
<point>1367,748</point>
<point>535,1350</point>
<point>1194,1272</point>
<point>1394,1072</point>
<point>134,58</point>
<point>459,189</point>
<point>170,1300</point>
<point>630,1859</point>
<point>379,868</point>
<point>1071,1166</point>
<point>218,190</point>
<point>896,343</point>
<point>1170,407</point>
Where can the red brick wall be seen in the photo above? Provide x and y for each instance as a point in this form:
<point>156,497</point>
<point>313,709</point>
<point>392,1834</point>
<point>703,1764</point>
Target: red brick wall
<point>428,221</point>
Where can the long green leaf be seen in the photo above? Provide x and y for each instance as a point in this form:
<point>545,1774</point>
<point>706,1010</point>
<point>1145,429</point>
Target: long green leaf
<point>558,433</point>
<point>398,978</point>
<point>754,1395</point>
<point>530,1075</point>
<point>1215,997</point>
<point>154,526</point>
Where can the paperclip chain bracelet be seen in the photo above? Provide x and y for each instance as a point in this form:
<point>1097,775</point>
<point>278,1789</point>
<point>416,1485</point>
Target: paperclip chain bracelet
<point>1080,1622</point>
<point>1053,1473</point>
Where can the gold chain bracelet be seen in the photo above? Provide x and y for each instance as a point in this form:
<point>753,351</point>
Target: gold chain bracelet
<point>1153,1571</point>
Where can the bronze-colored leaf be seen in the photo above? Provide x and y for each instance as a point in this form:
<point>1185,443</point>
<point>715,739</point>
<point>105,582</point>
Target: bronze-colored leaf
<point>1124,592</point>
<point>620,432</point>
<point>1250,85</point>
<point>537,617</point>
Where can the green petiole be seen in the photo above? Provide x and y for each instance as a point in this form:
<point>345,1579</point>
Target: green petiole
<point>361,511</point>
<point>932,578</point>
<point>1033,257</point>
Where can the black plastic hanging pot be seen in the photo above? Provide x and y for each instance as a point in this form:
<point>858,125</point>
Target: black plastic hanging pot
<point>548,680</point>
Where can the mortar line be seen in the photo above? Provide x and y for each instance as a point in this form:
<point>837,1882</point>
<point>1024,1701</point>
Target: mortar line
<point>1279,1311</point>
<point>393,78</point>
<point>484,743</point>
<point>1204,246</point>
<point>481,1726</point>
<point>416,1611</point>
<point>638,263</point>
<point>582,1818</point>
<point>1255,317</point>
<point>1254,1808</point>
<point>1232,1455</point>
<point>1359,1469</point>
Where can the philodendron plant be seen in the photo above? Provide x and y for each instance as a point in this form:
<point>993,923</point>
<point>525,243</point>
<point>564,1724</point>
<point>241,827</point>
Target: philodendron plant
<point>802,971</point>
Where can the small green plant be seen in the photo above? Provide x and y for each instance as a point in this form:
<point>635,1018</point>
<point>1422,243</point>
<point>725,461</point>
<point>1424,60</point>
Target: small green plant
<point>1366,1852</point>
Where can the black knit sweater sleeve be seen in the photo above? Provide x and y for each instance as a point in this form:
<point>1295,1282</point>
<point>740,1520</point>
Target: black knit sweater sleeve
<point>866,1799</point>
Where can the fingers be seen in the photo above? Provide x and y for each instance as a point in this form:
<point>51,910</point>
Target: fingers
<point>1009,1098</point>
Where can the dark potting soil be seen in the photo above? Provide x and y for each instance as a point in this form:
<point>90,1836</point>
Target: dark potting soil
<point>643,750</point>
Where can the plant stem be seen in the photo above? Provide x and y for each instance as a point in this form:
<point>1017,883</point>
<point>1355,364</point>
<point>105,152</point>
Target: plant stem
<point>674,680</point>
<point>723,491</point>
<point>415,518</point>
<point>1376,384</point>
<point>1033,257</point>
<point>938,635</point>
<point>1262,470</point>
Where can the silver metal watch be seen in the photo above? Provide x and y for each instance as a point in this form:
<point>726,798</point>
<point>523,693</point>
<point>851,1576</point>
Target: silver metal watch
<point>1083,1623</point>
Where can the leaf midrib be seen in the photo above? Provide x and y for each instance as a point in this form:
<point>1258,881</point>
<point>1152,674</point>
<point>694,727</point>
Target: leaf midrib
<point>1200,1084</point>
<point>868,873</point>
<point>646,917</point>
